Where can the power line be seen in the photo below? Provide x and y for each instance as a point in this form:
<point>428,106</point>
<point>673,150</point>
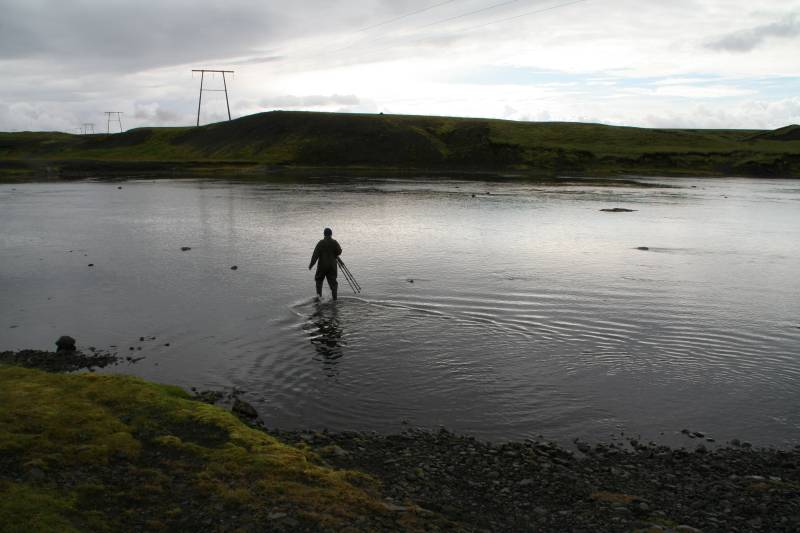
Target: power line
<point>401,17</point>
<point>557,6</point>
<point>493,6</point>
<point>442,21</point>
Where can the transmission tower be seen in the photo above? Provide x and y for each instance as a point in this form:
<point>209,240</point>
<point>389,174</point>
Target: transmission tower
<point>117,119</point>
<point>87,127</point>
<point>202,72</point>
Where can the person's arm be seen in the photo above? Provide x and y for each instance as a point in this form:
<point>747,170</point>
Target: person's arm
<point>338,249</point>
<point>314,257</point>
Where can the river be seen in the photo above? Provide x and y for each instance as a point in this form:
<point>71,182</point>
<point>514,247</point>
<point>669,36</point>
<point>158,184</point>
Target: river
<point>499,309</point>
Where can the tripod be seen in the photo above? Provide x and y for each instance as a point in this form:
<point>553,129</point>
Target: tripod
<point>349,277</point>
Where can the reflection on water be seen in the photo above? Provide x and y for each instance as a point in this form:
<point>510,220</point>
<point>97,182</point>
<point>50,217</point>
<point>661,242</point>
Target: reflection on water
<point>325,334</point>
<point>522,312</point>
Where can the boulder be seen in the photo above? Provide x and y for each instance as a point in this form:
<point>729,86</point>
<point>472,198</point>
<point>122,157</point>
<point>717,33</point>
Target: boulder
<point>242,408</point>
<point>65,343</point>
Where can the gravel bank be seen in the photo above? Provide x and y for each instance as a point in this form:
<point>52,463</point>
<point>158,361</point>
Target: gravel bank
<point>538,486</point>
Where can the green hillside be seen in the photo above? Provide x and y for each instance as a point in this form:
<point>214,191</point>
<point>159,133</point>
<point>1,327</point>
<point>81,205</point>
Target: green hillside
<point>291,141</point>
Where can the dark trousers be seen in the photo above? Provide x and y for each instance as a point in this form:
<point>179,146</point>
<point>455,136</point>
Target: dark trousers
<point>330,275</point>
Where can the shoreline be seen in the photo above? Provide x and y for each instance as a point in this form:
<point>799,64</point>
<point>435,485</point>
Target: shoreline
<point>32,171</point>
<point>451,482</point>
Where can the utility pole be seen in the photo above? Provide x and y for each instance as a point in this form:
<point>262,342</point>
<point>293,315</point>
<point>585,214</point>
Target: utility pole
<point>118,120</point>
<point>87,127</point>
<point>202,72</point>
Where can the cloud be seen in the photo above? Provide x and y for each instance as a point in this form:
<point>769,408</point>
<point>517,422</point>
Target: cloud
<point>152,113</point>
<point>747,40</point>
<point>316,100</point>
<point>126,36</point>
<point>751,114</point>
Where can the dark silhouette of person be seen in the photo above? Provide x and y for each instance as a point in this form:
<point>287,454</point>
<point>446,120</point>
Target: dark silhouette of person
<point>326,253</point>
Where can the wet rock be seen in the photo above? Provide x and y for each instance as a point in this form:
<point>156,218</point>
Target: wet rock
<point>234,267</point>
<point>61,361</point>
<point>90,264</point>
<point>185,248</point>
<point>584,447</point>
<point>617,210</point>
<point>207,396</point>
<point>242,408</point>
<point>65,343</point>
<point>644,248</point>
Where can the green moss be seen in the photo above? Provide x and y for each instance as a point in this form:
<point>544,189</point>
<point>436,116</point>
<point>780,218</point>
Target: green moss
<point>120,453</point>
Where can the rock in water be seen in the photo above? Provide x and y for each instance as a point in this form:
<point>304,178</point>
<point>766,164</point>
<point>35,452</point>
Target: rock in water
<point>242,408</point>
<point>185,248</point>
<point>643,248</point>
<point>65,343</point>
<point>234,267</point>
<point>618,210</point>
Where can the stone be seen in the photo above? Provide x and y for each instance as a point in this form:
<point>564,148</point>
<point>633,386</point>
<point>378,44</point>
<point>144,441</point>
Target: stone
<point>395,508</point>
<point>643,248</point>
<point>525,482</point>
<point>65,343</point>
<point>234,267</point>
<point>338,451</point>
<point>242,408</point>
<point>617,210</point>
<point>185,248</point>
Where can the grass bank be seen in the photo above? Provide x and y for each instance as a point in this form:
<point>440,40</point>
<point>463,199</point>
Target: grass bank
<point>280,142</point>
<point>84,452</point>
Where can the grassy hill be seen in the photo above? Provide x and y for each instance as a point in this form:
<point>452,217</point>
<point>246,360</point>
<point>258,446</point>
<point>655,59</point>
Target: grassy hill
<point>291,141</point>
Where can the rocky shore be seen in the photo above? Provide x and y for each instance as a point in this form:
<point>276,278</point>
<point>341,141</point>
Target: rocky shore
<point>421,480</point>
<point>538,486</point>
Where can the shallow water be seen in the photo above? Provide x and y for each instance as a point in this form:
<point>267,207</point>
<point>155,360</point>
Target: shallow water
<point>530,313</point>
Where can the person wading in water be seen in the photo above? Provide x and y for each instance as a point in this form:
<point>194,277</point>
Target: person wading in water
<point>325,254</point>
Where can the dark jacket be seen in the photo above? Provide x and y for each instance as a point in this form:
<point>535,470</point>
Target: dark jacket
<point>326,251</point>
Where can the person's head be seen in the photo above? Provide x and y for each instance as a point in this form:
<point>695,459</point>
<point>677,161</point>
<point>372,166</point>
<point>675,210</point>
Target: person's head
<point>327,232</point>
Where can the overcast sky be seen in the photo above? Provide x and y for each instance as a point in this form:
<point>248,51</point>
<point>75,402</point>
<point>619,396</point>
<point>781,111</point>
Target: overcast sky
<point>654,63</point>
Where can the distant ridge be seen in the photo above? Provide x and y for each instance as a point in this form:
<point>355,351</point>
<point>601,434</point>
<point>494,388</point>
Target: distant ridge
<point>786,133</point>
<point>284,141</point>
